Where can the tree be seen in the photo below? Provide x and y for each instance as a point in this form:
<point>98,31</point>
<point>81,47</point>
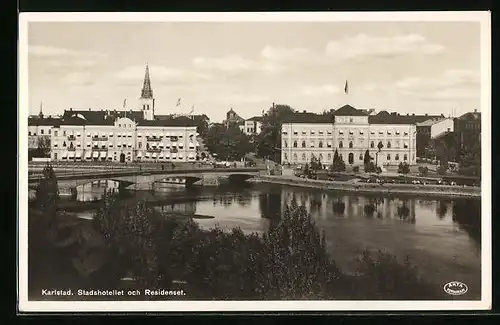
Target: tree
<point>315,164</point>
<point>367,157</point>
<point>44,146</point>
<point>228,143</point>
<point>338,164</point>
<point>47,196</point>
<point>268,142</point>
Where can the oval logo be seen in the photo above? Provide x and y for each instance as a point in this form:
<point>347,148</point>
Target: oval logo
<point>455,288</point>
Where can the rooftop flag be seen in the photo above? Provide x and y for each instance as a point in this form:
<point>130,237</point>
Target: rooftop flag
<point>346,87</point>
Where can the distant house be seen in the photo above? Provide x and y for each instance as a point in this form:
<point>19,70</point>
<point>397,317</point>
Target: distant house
<point>233,118</point>
<point>252,126</point>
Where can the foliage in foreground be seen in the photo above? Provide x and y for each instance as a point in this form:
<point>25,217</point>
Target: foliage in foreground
<point>290,261</point>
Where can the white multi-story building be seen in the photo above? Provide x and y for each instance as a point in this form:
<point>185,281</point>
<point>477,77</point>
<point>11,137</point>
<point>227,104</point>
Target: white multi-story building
<point>124,136</point>
<point>351,132</point>
<point>252,126</point>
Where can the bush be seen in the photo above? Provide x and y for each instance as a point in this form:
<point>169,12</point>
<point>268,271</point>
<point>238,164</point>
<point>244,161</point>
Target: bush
<point>370,167</point>
<point>355,169</point>
<point>290,261</point>
<point>441,170</point>
<point>423,171</point>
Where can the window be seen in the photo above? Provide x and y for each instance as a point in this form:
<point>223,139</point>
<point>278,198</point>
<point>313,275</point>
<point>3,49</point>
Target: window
<point>329,144</point>
<point>372,144</point>
<point>380,144</point>
<point>350,144</point>
<point>295,144</point>
<point>341,145</point>
<point>41,131</point>
<point>360,156</point>
<point>303,144</point>
<point>304,132</point>
<point>284,133</point>
<point>29,132</point>
<point>380,132</point>
<point>312,144</point>
<point>140,145</point>
<point>406,133</point>
<point>397,157</point>
<point>285,157</point>
<point>295,132</point>
<point>405,145</point>
<point>388,157</point>
<point>294,156</point>
<point>285,144</point>
<point>55,155</point>
<point>312,132</point>
<point>372,132</point>
<point>341,132</point>
<point>388,144</point>
<point>329,132</point>
<point>389,132</point>
<point>303,156</point>
<point>64,133</point>
<point>55,133</point>
<point>361,132</point>
<point>351,120</point>
<point>351,132</point>
<point>64,144</point>
<point>405,157</point>
<point>320,156</point>
<point>320,132</point>
<point>320,144</point>
<point>329,156</point>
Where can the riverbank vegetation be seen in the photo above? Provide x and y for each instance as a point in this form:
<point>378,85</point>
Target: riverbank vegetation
<point>290,261</point>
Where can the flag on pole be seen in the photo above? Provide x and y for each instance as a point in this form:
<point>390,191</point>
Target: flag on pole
<point>192,110</point>
<point>125,103</point>
<point>346,87</point>
<point>178,103</point>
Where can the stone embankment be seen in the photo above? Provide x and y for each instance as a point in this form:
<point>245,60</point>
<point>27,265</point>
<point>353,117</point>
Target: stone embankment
<point>386,188</point>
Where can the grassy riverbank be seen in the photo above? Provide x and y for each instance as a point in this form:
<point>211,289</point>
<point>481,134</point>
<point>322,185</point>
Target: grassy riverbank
<point>387,188</point>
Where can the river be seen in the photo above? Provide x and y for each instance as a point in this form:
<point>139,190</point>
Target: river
<point>441,237</point>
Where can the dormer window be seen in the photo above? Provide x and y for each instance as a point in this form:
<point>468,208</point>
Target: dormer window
<point>341,132</point>
<point>372,132</point>
<point>380,132</point>
<point>389,132</point>
<point>406,133</point>
<point>351,132</point>
<point>397,132</point>
<point>312,132</point>
<point>361,132</point>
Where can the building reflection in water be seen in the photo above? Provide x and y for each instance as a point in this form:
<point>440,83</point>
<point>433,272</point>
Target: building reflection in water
<point>467,214</point>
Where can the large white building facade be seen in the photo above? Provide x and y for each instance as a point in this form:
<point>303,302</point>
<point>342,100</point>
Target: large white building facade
<point>123,136</point>
<point>351,132</point>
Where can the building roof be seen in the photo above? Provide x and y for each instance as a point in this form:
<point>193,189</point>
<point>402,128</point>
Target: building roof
<point>471,116</point>
<point>431,121</point>
<point>385,117</point>
<point>147,91</point>
<point>307,117</point>
<point>45,121</point>
<point>256,118</point>
<point>348,110</point>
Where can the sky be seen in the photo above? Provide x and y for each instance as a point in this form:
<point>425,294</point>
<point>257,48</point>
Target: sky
<point>405,67</point>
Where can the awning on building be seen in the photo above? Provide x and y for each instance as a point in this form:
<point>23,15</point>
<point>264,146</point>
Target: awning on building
<point>139,155</point>
<point>167,145</point>
<point>191,156</point>
<point>95,154</point>
<point>160,156</point>
<point>124,145</point>
<point>167,134</point>
<point>147,155</point>
<point>181,145</point>
<point>139,134</point>
<point>104,154</point>
<point>153,155</point>
<point>88,154</point>
<point>71,154</point>
<point>167,155</point>
<point>180,156</point>
<point>328,143</point>
<point>174,155</point>
<point>110,134</point>
<point>191,145</point>
<point>64,154</point>
<point>197,144</point>
<point>78,133</point>
<point>78,155</point>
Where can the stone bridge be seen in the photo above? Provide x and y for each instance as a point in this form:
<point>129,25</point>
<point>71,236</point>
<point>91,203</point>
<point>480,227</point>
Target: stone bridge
<point>147,179</point>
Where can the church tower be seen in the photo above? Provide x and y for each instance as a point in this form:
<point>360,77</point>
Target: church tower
<point>147,100</point>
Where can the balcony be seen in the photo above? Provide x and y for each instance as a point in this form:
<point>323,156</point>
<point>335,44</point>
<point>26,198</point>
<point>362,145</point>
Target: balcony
<point>149,138</point>
<point>71,149</point>
<point>71,138</point>
<point>153,150</point>
<point>99,138</point>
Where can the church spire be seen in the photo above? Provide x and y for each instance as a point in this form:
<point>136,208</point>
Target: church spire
<point>147,91</point>
<point>40,114</point>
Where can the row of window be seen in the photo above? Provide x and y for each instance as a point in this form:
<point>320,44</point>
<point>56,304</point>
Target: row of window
<point>351,157</point>
<point>312,132</point>
<point>110,134</point>
<point>124,145</point>
<point>341,144</point>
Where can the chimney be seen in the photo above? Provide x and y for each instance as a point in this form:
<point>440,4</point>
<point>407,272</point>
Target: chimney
<point>71,109</point>
<point>89,109</point>
<point>413,114</point>
<point>475,110</point>
<point>426,114</point>
<point>304,111</point>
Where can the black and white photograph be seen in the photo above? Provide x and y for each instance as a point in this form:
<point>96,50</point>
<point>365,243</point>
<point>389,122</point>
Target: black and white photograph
<point>223,162</point>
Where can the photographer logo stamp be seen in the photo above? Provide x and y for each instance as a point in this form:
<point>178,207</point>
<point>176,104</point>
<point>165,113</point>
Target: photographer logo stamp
<point>455,288</point>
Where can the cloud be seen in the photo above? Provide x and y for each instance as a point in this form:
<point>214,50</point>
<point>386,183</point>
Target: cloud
<point>239,98</point>
<point>285,54</point>
<point>74,63</point>
<point>452,84</point>
<point>320,90</point>
<point>78,79</point>
<point>362,45</point>
<point>159,75</point>
<point>51,52</point>
<point>234,64</point>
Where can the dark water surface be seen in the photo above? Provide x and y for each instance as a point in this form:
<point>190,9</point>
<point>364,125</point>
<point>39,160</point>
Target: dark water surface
<point>442,237</point>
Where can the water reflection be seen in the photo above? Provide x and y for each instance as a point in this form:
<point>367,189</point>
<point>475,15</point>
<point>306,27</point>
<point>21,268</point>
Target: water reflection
<point>94,190</point>
<point>443,235</point>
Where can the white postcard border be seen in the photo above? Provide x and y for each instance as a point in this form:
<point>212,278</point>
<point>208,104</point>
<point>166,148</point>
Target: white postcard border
<point>220,306</point>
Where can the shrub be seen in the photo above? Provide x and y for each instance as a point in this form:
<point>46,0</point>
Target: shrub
<point>423,171</point>
<point>355,169</point>
<point>370,167</point>
<point>441,170</point>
